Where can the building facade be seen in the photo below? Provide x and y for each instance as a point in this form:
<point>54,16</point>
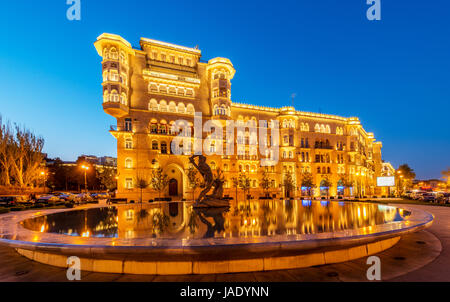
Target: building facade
<point>149,89</point>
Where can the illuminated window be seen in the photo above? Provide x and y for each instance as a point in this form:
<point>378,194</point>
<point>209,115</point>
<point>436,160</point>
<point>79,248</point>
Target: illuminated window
<point>128,183</point>
<point>129,214</point>
<point>128,163</point>
<point>114,96</point>
<point>153,105</point>
<point>114,75</point>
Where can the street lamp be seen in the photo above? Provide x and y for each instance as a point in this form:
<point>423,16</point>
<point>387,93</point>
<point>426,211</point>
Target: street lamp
<point>85,168</point>
<point>43,174</point>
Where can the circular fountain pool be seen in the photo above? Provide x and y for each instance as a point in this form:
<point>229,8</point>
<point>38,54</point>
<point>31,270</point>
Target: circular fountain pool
<point>175,238</point>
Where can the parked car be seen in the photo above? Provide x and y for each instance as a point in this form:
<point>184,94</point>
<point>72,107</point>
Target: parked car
<point>12,200</point>
<point>47,199</point>
<point>428,197</point>
<point>84,197</point>
<point>443,197</point>
<point>102,195</point>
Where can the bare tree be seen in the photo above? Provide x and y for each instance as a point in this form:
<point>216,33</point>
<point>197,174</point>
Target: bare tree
<point>20,155</point>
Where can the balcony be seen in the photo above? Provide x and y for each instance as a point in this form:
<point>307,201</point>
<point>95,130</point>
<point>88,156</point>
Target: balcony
<point>115,109</point>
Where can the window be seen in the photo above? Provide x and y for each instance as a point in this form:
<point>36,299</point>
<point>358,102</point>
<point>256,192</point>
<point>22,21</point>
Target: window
<point>114,75</point>
<point>153,105</point>
<point>188,62</point>
<point>164,148</point>
<point>114,96</point>
<point>155,145</point>
<point>128,183</point>
<point>128,143</point>
<point>129,214</point>
<point>128,163</point>
<point>180,60</point>
<point>128,124</point>
<point>213,165</point>
<point>190,109</point>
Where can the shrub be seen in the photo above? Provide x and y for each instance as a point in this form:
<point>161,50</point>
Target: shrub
<point>18,208</point>
<point>4,210</point>
<point>69,205</point>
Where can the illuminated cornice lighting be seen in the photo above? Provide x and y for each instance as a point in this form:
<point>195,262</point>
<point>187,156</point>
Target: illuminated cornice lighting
<point>170,45</point>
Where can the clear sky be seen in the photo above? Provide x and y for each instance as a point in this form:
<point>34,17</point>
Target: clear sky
<point>393,74</point>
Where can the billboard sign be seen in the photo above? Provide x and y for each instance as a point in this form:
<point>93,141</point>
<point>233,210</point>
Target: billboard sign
<point>386,181</point>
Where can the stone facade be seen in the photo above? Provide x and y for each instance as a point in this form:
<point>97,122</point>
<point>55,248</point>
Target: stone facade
<point>148,89</point>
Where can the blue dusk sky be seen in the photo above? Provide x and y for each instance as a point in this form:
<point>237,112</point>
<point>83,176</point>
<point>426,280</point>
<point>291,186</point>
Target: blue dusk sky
<point>393,74</point>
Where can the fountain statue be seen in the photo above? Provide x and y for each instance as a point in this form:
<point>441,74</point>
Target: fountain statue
<point>216,199</point>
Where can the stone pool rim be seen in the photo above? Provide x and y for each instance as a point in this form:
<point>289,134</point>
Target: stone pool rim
<point>210,259</point>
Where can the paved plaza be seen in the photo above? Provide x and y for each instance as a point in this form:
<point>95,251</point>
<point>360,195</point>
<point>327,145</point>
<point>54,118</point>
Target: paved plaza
<point>421,256</point>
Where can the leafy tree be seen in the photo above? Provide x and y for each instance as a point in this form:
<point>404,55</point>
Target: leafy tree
<point>347,184</point>
<point>235,183</point>
<point>141,183</point>
<point>159,180</point>
<point>307,181</point>
<point>288,183</point>
<point>327,184</point>
<point>265,182</point>
<point>107,178</point>
<point>194,181</point>
<point>408,174</point>
<point>244,184</point>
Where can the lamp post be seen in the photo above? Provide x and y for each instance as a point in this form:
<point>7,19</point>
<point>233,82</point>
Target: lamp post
<point>43,174</point>
<point>399,182</point>
<point>85,168</point>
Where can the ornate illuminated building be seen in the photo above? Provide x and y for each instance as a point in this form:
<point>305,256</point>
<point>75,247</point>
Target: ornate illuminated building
<point>150,88</point>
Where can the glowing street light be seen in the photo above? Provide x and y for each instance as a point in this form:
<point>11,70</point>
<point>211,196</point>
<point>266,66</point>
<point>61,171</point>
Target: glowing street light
<point>85,168</point>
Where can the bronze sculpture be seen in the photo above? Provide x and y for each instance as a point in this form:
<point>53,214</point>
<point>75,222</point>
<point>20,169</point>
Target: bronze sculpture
<point>216,198</point>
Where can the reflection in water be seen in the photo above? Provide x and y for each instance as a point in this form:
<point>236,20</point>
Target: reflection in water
<point>245,219</point>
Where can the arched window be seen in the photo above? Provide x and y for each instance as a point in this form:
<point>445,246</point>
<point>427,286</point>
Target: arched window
<point>172,107</point>
<point>128,163</point>
<point>113,54</point>
<point>105,96</point>
<point>153,105</point>
<point>225,167</point>
<point>163,106</point>
<point>181,108</point>
<point>123,98</point>
<point>317,128</point>
<point>105,76</point>
<point>152,87</point>
<point>190,109</point>
<point>322,128</point>
<point>155,145</point>
<point>114,96</point>
<point>327,129</point>
<point>213,165</point>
